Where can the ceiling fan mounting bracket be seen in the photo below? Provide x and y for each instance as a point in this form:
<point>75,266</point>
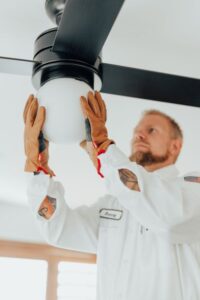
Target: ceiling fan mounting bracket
<point>54,10</point>
<point>59,64</point>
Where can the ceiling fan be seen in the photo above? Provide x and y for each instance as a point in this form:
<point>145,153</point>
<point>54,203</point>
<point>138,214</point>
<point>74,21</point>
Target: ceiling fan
<point>73,50</point>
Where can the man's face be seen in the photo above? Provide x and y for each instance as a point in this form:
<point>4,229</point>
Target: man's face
<point>152,141</point>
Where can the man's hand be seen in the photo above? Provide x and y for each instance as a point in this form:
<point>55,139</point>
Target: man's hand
<point>97,141</point>
<point>36,147</point>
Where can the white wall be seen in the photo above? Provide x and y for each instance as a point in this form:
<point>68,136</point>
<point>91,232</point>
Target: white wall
<point>17,224</point>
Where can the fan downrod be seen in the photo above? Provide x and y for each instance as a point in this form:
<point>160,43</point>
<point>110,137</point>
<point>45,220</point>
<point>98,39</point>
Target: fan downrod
<point>54,10</point>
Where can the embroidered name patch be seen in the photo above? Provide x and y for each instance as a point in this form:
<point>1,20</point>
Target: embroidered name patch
<point>112,214</point>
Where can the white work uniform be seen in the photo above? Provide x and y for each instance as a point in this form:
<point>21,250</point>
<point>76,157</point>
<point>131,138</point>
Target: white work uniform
<point>147,243</point>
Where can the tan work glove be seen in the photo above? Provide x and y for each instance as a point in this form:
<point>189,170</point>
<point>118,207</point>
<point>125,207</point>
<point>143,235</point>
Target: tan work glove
<point>36,147</point>
<point>97,141</point>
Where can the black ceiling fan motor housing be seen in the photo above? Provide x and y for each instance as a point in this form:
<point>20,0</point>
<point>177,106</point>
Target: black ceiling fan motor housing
<point>51,65</point>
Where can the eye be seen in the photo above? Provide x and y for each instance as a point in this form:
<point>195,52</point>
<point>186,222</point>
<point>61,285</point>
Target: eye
<point>151,130</point>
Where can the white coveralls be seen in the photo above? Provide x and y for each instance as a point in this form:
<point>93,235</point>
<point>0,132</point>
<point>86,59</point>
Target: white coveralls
<point>147,243</point>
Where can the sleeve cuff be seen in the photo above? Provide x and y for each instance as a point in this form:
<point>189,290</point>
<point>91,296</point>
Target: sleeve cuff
<point>112,158</point>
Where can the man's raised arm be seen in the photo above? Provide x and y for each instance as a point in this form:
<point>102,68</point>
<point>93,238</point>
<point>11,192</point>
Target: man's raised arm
<point>61,226</point>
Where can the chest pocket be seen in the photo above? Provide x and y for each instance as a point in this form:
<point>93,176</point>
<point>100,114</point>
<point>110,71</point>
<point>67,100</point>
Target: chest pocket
<point>110,218</point>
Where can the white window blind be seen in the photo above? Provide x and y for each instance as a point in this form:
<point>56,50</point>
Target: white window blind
<point>22,279</point>
<point>76,281</point>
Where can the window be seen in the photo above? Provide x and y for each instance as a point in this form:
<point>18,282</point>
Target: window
<point>76,281</point>
<point>22,279</point>
<point>43,272</point>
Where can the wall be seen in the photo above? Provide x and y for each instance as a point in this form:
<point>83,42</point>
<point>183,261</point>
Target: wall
<point>17,224</point>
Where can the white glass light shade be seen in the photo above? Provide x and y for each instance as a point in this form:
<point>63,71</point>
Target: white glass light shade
<point>64,120</point>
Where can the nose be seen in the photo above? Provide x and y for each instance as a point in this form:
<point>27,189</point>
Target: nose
<point>139,135</point>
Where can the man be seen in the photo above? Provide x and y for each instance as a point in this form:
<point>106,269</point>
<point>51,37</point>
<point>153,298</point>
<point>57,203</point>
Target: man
<point>145,231</point>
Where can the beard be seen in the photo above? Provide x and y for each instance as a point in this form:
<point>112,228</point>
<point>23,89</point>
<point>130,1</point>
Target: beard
<point>148,158</point>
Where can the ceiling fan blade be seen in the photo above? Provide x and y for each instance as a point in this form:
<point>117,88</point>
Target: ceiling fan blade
<point>16,66</point>
<point>84,27</point>
<point>150,85</point>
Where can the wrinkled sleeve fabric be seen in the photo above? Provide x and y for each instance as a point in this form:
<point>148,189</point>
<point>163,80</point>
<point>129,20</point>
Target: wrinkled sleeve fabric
<point>170,208</point>
<point>73,229</point>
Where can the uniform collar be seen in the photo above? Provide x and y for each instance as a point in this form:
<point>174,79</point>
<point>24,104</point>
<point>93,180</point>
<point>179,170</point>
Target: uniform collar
<point>167,172</point>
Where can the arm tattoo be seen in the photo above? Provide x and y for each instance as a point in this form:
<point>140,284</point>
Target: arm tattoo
<point>129,179</point>
<point>192,179</point>
<point>47,208</point>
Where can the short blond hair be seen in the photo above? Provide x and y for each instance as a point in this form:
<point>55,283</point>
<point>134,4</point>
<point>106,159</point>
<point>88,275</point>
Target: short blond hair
<point>176,129</point>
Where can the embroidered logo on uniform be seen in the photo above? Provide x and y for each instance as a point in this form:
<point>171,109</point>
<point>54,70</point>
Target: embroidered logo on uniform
<point>192,179</point>
<point>113,214</point>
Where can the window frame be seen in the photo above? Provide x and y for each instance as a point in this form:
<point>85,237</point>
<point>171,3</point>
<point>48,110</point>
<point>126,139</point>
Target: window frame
<point>52,255</point>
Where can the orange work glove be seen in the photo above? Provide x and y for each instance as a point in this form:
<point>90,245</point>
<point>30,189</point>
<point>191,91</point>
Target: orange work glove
<point>97,141</point>
<point>36,147</point>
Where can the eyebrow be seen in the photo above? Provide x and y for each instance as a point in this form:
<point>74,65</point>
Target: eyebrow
<point>147,126</point>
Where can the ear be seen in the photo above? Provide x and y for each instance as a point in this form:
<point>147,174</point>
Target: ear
<point>175,146</point>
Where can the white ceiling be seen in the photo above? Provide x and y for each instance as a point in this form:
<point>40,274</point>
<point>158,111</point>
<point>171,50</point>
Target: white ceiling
<point>150,34</point>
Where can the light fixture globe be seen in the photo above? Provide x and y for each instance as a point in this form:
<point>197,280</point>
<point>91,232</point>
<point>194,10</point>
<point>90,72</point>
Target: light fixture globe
<point>64,122</point>
<point>61,80</point>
